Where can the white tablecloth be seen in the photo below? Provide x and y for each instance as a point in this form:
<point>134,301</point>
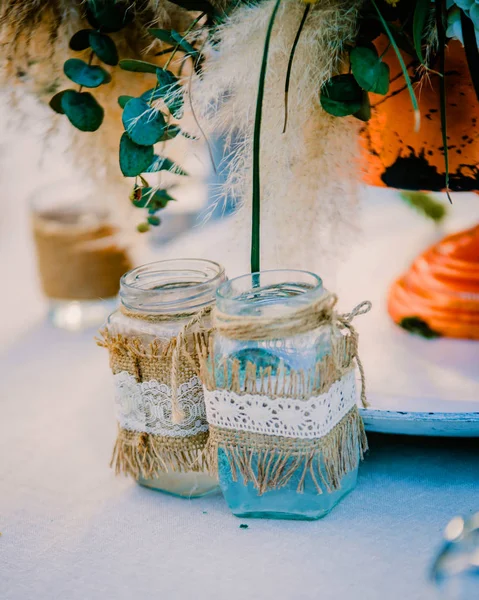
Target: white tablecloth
<point>71,530</point>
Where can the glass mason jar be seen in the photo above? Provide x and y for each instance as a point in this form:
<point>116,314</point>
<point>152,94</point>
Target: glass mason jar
<point>267,412</point>
<point>157,301</point>
<point>79,254</point>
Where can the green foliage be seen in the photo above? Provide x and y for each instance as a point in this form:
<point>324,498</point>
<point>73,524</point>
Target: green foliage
<point>425,204</point>
<point>421,15</point>
<point>419,327</point>
<point>56,102</point>
<point>369,70</point>
<point>162,34</point>
<point>137,66</point>
<point>82,110</point>
<point>341,96</point>
<point>169,90</point>
<point>152,198</point>
<point>144,124</point>
<point>80,40</point>
<point>134,159</point>
<point>109,16</point>
<point>104,47</point>
<point>153,220</point>
<point>122,100</point>
<point>85,75</point>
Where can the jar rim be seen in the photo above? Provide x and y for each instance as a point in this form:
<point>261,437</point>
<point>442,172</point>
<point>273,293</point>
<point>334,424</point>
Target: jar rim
<point>224,293</point>
<point>181,293</point>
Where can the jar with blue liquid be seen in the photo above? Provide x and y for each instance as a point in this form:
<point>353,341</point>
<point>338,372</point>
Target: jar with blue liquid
<point>280,396</point>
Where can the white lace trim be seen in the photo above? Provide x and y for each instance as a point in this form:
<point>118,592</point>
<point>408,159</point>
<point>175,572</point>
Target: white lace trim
<point>146,406</point>
<point>288,417</point>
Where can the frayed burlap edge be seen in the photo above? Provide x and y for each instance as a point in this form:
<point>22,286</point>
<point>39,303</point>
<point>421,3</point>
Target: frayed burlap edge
<point>279,382</point>
<point>270,462</point>
<point>143,455</point>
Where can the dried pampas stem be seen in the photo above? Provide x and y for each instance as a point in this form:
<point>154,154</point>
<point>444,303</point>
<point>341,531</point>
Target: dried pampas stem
<point>308,173</point>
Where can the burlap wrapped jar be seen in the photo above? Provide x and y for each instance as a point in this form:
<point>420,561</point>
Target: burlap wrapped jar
<point>152,341</point>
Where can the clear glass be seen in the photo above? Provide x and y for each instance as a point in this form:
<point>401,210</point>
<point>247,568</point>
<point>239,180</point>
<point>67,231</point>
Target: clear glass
<point>167,288</point>
<point>455,571</point>
<point>267,293</point>
<point>80,259</point>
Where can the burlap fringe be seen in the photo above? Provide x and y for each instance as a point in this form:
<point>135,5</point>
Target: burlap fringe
<point>270,462</point>
<point>280,382</point>
<point>131,353</point>
<point>148,456</point>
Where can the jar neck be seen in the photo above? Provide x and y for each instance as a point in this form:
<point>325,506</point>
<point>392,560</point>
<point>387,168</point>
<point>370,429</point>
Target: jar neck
<point>171,287</point>
<point>269,292</point>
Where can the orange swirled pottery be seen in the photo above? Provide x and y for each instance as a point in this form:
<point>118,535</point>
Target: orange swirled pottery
<point>441,287</point>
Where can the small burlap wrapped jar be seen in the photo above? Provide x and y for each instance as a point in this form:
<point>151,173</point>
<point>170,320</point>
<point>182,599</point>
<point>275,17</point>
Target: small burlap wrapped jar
<point>280,393</point>
<point>152,341</point>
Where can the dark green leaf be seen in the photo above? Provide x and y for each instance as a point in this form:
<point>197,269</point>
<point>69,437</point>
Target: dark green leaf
<point>151,198</point>
<point>421,14</point>
<point>364,113</point>
<point>134,159</point>
<point>109,15</point>
<point>196,5</point>
<point>82,110</point>
<point>83,74</point>
<point>56,102</point>
<point>122,100</point>
<point>183,44</point>
<point>170,90</point>
<point>165,164</point>
<point>341,96</point>
<point>425,204</point>
<point>104,47</point>
<point>418,326</point>
<point>417,114</point>
<point>369,70</point>
<point>152,95</point>
<point>80,40</point>
<point>143,124</point>
<point>153,220</point>
<point>472,52</point>
<point>162,34</point>
<point>137,66</point>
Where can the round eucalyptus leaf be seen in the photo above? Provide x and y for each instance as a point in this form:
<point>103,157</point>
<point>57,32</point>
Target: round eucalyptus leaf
<point>109,15</point>
<point>154,220</point>
<point>56,102</point>
<point>80,40</point>
<point>83,74</point>
<point>341,96</point>
<point>122,100</point>
<point>369,71</point>
<point>143,124</point>
<point>134,159</point>
<point>82,110</point>
<point>104,47</point>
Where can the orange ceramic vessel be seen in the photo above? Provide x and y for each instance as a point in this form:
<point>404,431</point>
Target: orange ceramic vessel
<point>442,287</point>
<point>397,156</point>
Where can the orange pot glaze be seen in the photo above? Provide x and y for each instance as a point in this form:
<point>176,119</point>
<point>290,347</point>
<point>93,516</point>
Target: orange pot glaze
<point>442,287</point>
<point>397,156</point>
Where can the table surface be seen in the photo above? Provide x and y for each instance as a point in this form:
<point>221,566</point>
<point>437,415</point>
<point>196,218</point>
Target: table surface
<point>72,530</point>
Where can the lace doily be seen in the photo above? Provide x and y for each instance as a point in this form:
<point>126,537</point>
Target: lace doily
<point>146,406</point>
<point>288,417</point>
